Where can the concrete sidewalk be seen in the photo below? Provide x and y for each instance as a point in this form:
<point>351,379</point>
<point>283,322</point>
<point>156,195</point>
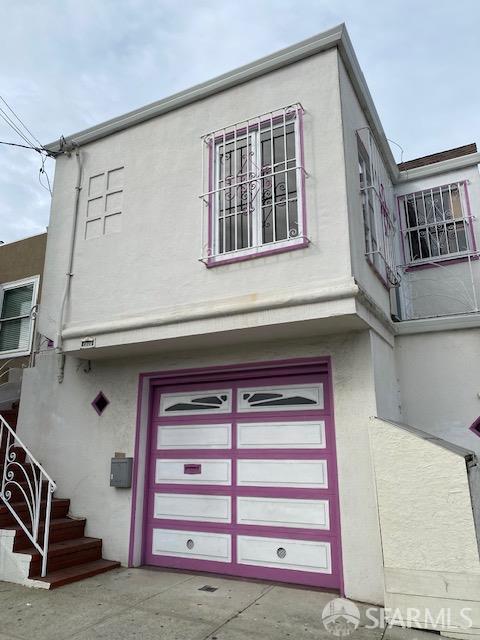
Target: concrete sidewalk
<point>151,604</point>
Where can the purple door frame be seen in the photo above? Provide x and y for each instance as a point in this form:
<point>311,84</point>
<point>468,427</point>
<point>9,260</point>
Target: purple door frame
<point>140,531</point>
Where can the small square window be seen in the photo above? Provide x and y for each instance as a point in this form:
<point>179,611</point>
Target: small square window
<point>100,403</point>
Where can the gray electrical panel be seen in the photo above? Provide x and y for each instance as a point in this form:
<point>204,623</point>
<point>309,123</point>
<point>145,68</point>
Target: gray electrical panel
<point>121,473</point>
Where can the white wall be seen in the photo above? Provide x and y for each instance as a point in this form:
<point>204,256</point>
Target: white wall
<point>440,383</point>
<point>75,445</point>
<point>430,548</point>
<point>387,384</point>
<point>152,264</point>
<point>353,118</point>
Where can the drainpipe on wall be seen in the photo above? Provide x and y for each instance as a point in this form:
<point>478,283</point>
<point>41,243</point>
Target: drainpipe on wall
<point>69,274</point>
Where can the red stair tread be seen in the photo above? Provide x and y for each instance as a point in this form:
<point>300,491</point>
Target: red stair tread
<point>54,522</point>
<point>60,529</point>
<point>71,559</point>
<point>78,572</point>
<point>21,504</point>
<point>60,508</point>
<point>64,547</point>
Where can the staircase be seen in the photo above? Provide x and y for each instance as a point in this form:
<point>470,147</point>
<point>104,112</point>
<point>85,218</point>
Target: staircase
<point>40,545</point>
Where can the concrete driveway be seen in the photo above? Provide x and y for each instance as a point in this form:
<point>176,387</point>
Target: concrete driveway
<point>154,604</point>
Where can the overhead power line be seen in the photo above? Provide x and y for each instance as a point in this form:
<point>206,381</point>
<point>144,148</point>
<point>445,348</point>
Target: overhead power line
<point>25,146</point>
<point>32,142</point>
<point>6,118</point>
<point>20,121</point>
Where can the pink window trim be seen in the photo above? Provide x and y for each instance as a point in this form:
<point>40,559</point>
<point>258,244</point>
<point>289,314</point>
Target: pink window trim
<point>258,252</point>
<point>471,254</point>
<point>262,250</point>
<point>302,366</point>
<point>445,260</point>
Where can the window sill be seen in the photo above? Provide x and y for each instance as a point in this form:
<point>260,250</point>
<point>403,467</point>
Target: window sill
<point>258,252</point>
<point>417,266</point>
<point>14,354</point>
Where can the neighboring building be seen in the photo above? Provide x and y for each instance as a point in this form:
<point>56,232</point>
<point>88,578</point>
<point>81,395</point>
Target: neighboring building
<point>21,268</point>
<point>251,279</point>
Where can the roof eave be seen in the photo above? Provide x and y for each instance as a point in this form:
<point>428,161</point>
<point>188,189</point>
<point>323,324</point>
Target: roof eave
<point>335,37</point>
<point>428,170</point>
<point>284,57</point>
<point>364,96</point>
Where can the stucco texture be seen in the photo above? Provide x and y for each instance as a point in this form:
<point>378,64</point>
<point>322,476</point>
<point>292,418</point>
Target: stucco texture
<point>424,503</point>
<point>75,445</point>
<point>439,376</point>
<point>161,214</point>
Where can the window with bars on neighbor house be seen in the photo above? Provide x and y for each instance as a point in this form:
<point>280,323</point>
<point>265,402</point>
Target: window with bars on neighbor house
<point>17,303</point>
<point>436,223</point>
<point>254,176</point>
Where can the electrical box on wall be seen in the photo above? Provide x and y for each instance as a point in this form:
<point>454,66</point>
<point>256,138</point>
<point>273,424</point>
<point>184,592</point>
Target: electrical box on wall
<point>121,473</point>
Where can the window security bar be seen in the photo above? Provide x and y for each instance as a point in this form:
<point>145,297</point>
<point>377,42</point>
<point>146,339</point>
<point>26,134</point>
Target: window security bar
<point>378,205</point>
<point>253,194</point>
<point>437,224</point>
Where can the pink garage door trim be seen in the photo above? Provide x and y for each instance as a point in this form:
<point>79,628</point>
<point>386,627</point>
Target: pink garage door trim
<point>244,375</point>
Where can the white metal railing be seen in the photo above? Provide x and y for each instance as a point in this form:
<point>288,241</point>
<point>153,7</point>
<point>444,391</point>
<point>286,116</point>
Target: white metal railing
<point>436,223</point>
<point>253,185</point>
<point>25,483</point>
<point>4,371</point>
<point>379,217</point>
<point>441,290</point>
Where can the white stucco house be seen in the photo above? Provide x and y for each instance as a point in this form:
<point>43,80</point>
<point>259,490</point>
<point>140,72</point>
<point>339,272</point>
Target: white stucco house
<point>249,298</point>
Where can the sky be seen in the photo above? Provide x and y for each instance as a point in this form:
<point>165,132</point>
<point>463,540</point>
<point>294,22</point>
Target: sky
<point>69,64</point>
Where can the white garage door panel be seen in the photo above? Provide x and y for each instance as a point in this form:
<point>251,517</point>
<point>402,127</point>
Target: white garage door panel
<point>283,553</point>
<point>169,471</point>
<point>181,506</point>
<point>283,512</point>
<point>194,436</point>
<point>192,544</point>
<point>281,435</point>
<point>283,473</point>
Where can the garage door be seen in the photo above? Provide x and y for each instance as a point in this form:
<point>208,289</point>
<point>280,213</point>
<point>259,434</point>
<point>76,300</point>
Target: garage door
<point>243,480</point>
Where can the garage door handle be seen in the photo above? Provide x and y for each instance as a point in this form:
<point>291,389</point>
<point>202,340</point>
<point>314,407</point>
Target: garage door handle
<point>192,469</point>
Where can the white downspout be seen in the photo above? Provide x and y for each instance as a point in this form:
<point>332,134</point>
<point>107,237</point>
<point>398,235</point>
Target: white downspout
<point>69,274</point>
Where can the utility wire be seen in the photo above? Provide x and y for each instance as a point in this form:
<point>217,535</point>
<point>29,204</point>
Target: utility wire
<point>43,171</point>
<point>24,146</point>
<point>21,121</point>
<point>13,126</point>
<point>44,154</point>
